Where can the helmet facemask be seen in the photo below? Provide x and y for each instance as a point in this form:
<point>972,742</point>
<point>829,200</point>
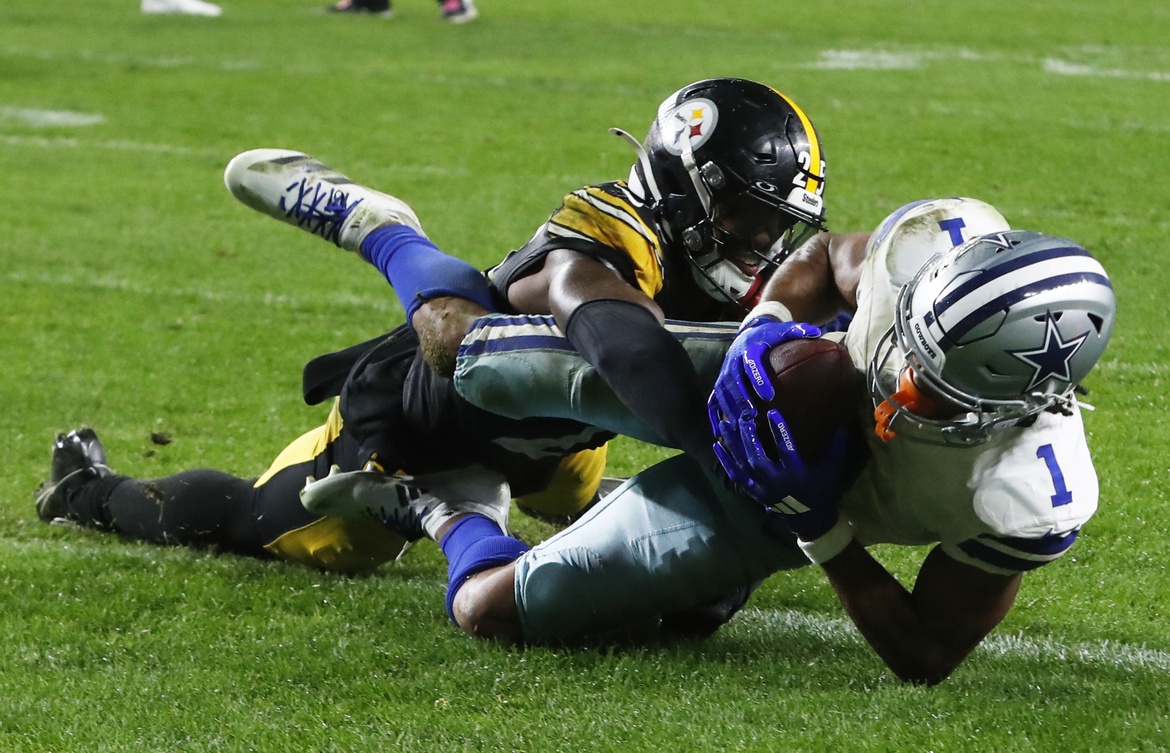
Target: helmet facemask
<point>964,419</point>
<point>743,234</point>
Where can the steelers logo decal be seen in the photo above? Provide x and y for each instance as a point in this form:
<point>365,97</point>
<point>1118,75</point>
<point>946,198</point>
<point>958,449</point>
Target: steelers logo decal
<point>694,119</point>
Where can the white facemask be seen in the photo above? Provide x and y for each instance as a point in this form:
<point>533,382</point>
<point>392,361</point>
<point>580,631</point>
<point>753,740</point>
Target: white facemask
<point>720,279</point>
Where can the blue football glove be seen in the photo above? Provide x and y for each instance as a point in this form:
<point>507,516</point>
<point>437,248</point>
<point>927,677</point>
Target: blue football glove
<point>806,495</point>
<point>744,365</point>
<point>813,489</point>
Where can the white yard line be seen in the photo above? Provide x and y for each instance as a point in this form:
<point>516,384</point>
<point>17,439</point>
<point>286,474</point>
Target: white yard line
<point>834,631</point>
<point>909,59</point>
<point>1147,368</point>
<point>891,58</point>
<point>275,300</point>
<point>1105,653</point>
<point>141,147</point>
<point>867,60</point>
<point>113,59</point>
<point>1065,68</point>
<point>50,118</point>
<point>66,142</point>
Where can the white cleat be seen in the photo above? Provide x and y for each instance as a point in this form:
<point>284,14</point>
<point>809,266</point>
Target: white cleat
<point>185,7</point>
<point>474,490</point>
<point>297,189</point>
<point>414,507</point>
<point>367,494</point>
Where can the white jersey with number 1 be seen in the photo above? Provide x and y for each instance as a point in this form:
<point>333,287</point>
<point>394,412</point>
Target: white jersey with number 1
<point>1010,504</point>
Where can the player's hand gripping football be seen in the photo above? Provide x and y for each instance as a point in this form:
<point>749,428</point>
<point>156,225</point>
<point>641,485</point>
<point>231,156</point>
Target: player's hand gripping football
<point>746,357</point>
<point>768,468</point>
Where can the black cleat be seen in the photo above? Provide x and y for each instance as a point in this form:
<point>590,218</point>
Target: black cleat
<point>78,457</point>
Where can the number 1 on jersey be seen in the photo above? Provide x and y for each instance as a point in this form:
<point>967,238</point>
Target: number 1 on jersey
<point>1063,496</point>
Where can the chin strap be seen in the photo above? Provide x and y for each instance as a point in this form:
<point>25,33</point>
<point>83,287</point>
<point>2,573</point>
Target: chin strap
<point>908,397</point>
<point>688,160</point>
<point>722,280</point>
<point>644,160</point>
<point>705,273</point>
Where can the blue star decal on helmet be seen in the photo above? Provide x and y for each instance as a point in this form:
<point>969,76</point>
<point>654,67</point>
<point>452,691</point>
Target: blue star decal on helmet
<point>1051,360</point>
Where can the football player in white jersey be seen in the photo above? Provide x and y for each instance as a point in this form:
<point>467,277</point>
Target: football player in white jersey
<point>976,445</point>
<point>978,442</point>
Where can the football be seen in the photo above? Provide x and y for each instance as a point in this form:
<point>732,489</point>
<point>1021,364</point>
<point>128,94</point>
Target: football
<point>817,392</point>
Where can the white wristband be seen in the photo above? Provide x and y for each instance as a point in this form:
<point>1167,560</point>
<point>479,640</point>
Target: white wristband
<point>773,309</point>
<point>829,544</point>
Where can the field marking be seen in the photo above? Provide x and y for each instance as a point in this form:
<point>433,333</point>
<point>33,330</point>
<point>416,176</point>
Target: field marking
<point>841,631</point>
<point>50,118</point>
<point>890,59</point>
<point>91,56</point>
<point>1107,652</point>
<point>867,60</point>
<point>65,142</point>
<point>268,298</point>
<point>860,59</point>
<point>1148,368</point>
<point>142,147</point>
<point>1065,68</point>
<point>834,631</point>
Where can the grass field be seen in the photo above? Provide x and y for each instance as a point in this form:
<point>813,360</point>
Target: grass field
<point>138,297</point>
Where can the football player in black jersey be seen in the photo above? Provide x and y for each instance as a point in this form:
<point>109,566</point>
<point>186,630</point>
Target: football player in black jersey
<point>729,179</point>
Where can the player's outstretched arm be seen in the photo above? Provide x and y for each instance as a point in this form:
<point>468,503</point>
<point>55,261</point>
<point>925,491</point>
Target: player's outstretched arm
<point>619,330</point>
<point>922,635</point>
<point>819,279</point>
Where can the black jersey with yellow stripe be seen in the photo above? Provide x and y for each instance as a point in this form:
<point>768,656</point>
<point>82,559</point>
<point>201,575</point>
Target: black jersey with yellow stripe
<point>605,221</point>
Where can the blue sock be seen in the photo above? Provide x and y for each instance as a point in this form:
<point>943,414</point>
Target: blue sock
<point>418,270</point>
<point>472,545</point>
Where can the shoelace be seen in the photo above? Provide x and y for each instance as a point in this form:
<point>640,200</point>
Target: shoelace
<point>46,492</point>
<point>407,495</point>
<point>319,210</point>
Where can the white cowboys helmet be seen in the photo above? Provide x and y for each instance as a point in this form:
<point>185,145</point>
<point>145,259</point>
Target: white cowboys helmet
<point>1003,327</point>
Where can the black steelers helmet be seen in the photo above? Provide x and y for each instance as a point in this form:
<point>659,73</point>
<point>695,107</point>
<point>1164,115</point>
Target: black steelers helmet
<point>735,171</point>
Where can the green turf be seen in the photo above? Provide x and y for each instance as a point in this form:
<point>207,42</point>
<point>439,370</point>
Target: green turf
<point>139,298</point>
